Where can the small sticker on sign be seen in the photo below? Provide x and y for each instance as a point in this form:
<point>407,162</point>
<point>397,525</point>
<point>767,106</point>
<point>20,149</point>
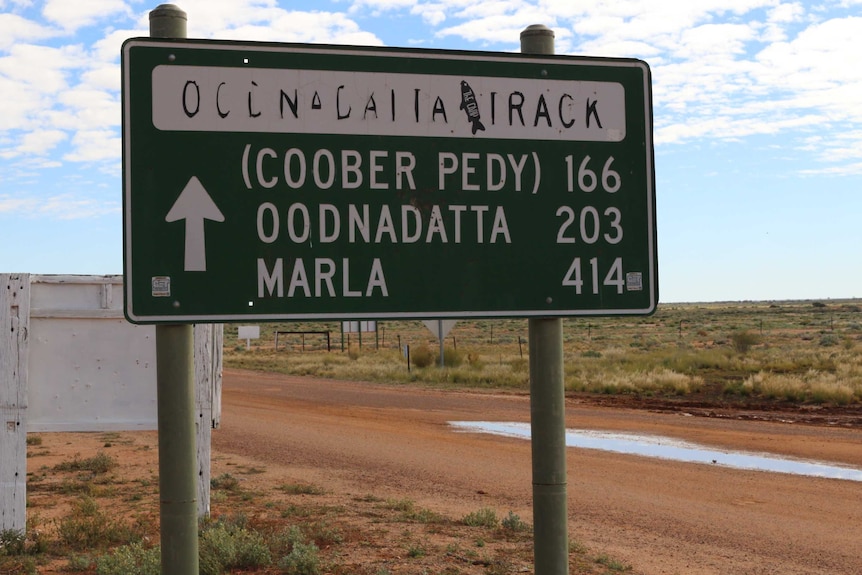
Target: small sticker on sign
<point>161,286</point>
<point>634,281</point>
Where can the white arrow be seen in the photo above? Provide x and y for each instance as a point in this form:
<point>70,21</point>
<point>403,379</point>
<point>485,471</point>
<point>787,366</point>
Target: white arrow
<point>194,205</point>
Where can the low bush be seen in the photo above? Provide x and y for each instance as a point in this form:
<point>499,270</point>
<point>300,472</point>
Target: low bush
<point>452,357</point>
<point>744,340</point>
<point>303,559</point>
<point>223,547</point>
<point>12,542</point>
<point>99,463</point>
<point>422,356</point>
<point>132,559</point>
<point>297,556</point>
<point>512,522</point>
<point>829,340</point>
<point>225,481</point>
<point>88,528</point>
<point>484,517</point>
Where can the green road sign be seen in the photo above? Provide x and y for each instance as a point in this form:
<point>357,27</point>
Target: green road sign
<point>279,181</point>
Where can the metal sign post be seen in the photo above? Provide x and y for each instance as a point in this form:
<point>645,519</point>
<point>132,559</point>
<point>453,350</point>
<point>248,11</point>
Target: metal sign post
<point>547,411</point>
<point>175,402</point>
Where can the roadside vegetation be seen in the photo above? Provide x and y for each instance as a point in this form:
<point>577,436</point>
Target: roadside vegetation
<point>797,352</point>
<point>96,512</point>
<point>98,515</point>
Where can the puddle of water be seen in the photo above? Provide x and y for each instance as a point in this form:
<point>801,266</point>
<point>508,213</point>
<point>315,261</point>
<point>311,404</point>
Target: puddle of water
<point>668,448</point>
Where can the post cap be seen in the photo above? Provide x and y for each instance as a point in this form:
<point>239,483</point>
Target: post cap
<point>537,30</point>
<point>168,21</point>
<point>168,11</point>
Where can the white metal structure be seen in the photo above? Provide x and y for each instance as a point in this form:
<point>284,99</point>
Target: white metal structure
<point>69,361</point>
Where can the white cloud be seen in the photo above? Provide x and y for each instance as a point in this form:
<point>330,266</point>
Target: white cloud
<point>40,142</point>
<point>828,51</point>
<point>263,20</point>
<point>433,14</point>
<point>311,27</point>
<point>103,76</point>
<point>714,40</point>
<point>61,206</point>
<point>786,13</point>
<point>502,28</point>
<point>379,6</point>
<point>74,15</point>
<point>43,68</point>
<point>16,205</point>
<point>69,207</point>
<point>95,146</point>
<point>107,49</point>
<point>15,29</point>
<point>209,17</point>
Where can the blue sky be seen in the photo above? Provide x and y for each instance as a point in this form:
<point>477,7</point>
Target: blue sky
<point>757,111</point>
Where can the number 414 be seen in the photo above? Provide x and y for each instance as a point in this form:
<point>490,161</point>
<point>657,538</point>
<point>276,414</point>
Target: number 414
<point>613,278</point>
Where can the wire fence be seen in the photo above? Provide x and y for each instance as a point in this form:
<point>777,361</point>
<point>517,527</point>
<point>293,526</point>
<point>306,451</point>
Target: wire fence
<point>703,325</point>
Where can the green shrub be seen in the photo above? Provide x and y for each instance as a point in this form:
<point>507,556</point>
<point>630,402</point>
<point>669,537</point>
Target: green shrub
<point>829,340</point>
<point>303,559</point>
<point>225,481</point>
<point>80,563</point>
<point>422,356</point>
<point>12,542</point>
<point>512,522</point>
<point>415,551</point>
<point>224,547</point>
<point>452,357</point>
<point>484,517</point>
<point>87,528</point>
<point>132,559</point>
<point>744,340</point>
<point>323,534</point>
<point>283,541</point>
<point>99,463</point>
<point>736,387</point>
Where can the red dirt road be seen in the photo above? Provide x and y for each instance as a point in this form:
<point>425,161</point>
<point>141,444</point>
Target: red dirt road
<point>659,516</point>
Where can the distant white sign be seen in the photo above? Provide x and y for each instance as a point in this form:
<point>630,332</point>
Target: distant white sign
<point>358,326</point>
<point>440,327</point>
<point>248,332</point>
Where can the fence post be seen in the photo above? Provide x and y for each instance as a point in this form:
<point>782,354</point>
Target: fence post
<point>14,351</point>
<point>209,339</point>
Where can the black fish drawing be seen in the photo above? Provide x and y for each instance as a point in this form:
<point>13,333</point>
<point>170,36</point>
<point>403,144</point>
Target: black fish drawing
<point>469,105</point>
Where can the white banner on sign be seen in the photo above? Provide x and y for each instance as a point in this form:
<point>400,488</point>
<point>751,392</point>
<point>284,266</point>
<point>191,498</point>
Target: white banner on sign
<point>225,99</point>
